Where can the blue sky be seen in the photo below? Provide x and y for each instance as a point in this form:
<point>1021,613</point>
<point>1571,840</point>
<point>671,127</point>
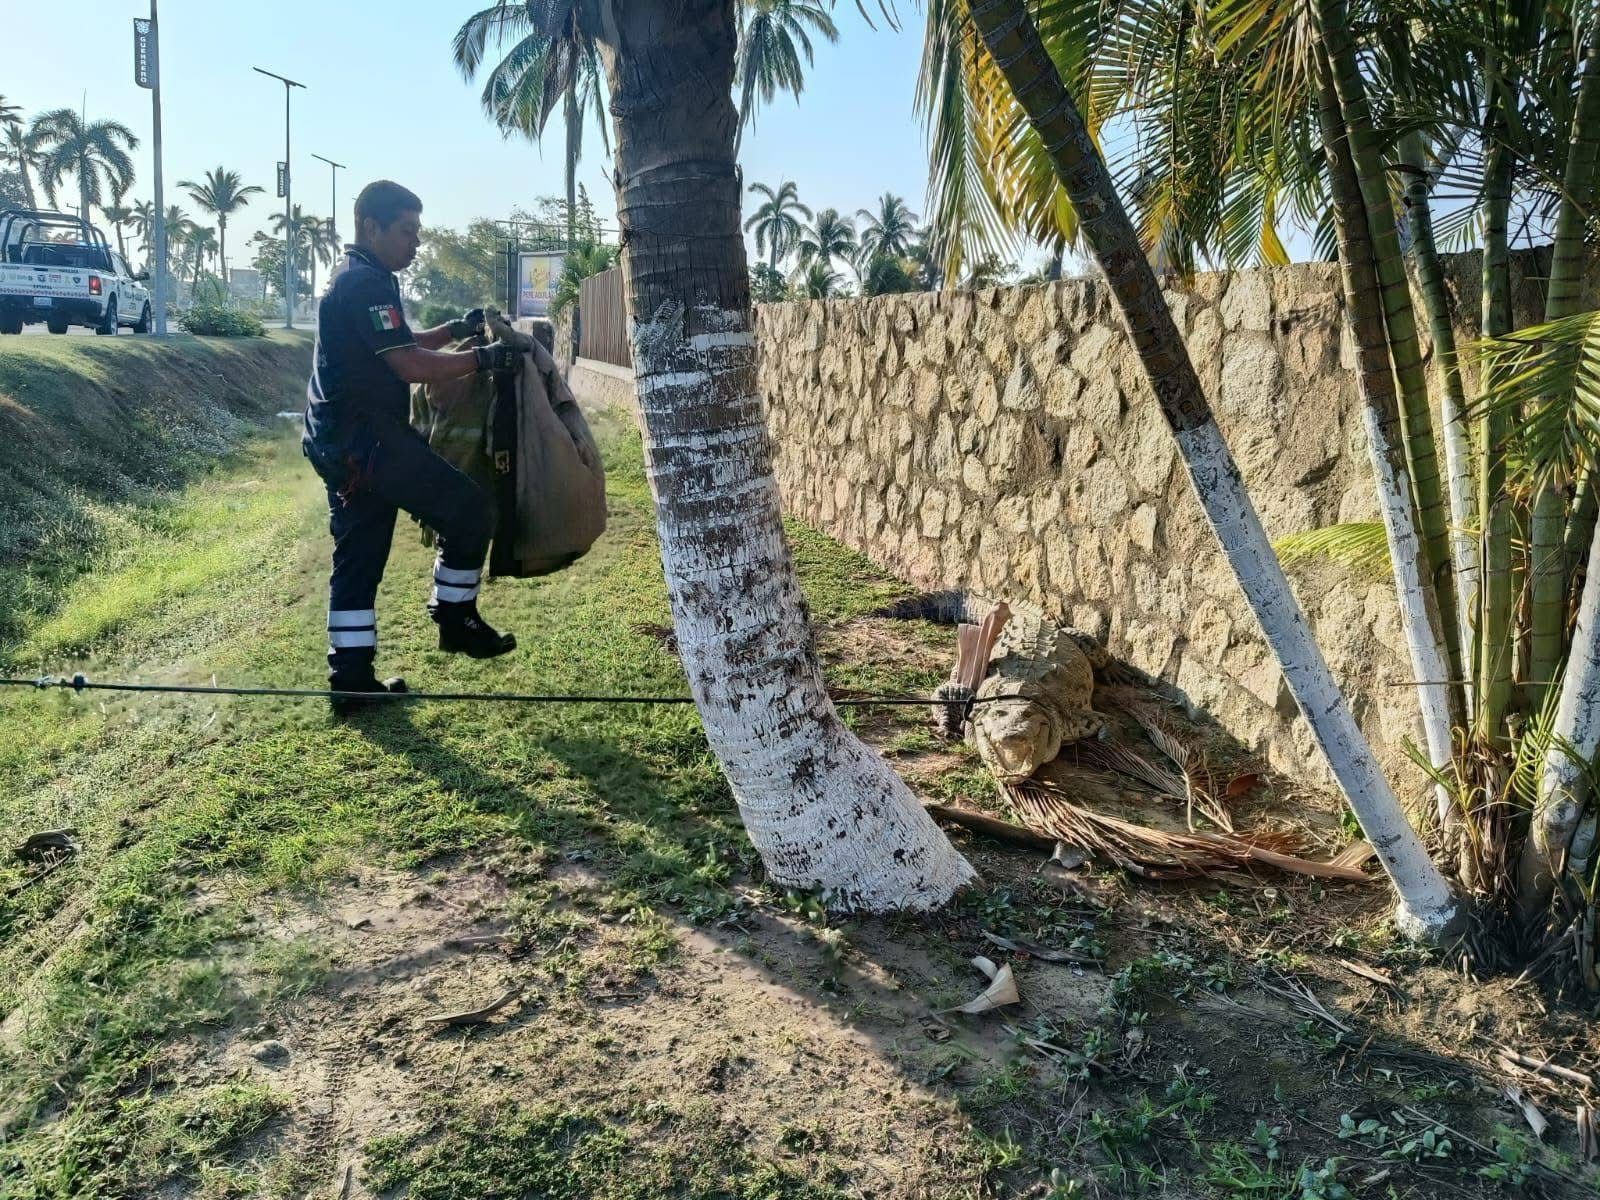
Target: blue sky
<point>382,96</point>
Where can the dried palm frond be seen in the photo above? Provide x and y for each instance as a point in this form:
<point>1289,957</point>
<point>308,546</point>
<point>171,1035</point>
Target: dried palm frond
<point>1193,787</point>
<point>1114,756</point>
<point>1155,853</point>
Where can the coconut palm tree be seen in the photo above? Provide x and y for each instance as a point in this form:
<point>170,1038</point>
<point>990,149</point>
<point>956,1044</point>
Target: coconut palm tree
<point>888,232</point>
<point>95,153</point>
<point>142,220</point>
<point>200,245</point>
<point>179,228</point>
<point>18,151</point>
<point>119,215</point>
<point>1428,905</point>
<point>222,193</point>
<point>821,808</point>
<point>817,282</point>
<point>773,34</point>
<point>551,60</point>
<point>321,241</point>
<point>828,237</point>
<point>293,233</point>
<point>777,228</point>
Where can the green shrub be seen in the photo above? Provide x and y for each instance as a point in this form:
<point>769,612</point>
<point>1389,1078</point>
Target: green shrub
<point>212,320</point>
<point>429,315</point>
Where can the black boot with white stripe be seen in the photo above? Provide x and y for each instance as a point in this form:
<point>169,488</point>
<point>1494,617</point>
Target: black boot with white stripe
<point>455,610</point>
<point>352,645</point>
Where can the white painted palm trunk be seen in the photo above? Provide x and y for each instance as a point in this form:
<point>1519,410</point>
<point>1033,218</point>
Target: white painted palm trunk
<point>1575,738</point>
<point>822,809</point>
<point>1418,619</point>
<point>1464,549</point>
<point>1428,910</point>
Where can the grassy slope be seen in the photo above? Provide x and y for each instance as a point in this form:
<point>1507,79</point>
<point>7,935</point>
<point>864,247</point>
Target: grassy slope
<point>90,428</point>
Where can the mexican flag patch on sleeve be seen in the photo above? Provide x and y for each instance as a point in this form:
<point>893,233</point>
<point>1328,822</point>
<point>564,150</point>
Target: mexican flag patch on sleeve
<point>384,317</point>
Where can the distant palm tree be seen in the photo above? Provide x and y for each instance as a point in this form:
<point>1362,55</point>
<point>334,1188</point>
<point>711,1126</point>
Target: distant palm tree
<point>10,114</point>
<point>553,60</point>
<point>142,220</point>
<point>889,232</point>
<point>95,154</point>
<point>922,256</point>
<point>772,36</point>
<point>202,244</point>
<point>830,236</point>
<point>777,229</point>
<point>818,282</point>
<point>308,235</point>
<point>321,241</point>
<point>179,229</point>
<point>222,194</point>
<point>17,150</point>
<point>119,215</point>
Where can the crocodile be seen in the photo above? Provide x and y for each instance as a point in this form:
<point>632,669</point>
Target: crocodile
<point>1036,694</point>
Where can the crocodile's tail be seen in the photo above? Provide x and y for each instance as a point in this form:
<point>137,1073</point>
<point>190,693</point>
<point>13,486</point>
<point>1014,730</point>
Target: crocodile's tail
<point>942,608</point>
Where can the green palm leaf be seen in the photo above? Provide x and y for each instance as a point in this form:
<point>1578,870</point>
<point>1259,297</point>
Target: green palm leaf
<point>1359,546</point>
<point>1546,380</point>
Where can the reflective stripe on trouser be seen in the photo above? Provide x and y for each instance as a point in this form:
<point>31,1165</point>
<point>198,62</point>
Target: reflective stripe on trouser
<point>453,586</point>
<point>397,470</point>
<point>352,629</point>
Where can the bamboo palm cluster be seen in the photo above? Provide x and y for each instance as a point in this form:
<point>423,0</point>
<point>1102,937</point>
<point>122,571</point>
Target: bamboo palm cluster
<point>1394,129</point>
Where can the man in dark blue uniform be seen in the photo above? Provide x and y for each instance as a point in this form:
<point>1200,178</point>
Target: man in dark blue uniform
<point>359,439</point>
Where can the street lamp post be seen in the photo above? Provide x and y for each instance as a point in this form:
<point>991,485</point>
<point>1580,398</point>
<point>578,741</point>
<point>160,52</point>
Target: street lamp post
<point>333,211</point>
<point>288,203</point>
<point>147,74</point>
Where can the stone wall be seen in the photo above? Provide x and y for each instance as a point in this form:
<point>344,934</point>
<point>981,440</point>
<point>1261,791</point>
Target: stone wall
<point>1005,441</point>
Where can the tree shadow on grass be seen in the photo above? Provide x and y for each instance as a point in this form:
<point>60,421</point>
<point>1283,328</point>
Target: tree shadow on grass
<point>635,826</point>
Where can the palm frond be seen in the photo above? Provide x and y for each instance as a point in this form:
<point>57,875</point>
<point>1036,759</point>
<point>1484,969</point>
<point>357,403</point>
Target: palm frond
<point>1546,378</point>
<point>1359,546</point>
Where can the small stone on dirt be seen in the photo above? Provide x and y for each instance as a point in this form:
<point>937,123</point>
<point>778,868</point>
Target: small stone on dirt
<point>271,1052</point>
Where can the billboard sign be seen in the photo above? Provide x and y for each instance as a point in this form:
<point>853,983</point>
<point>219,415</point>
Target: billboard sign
<point>537,274</point>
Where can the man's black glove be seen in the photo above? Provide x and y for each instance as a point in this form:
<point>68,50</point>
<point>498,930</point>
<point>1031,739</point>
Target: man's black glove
<point>497,356</point>
<point>467,325</point>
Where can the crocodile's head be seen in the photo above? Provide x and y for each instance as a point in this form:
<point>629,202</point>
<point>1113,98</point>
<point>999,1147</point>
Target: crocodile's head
<point>1015,740</point>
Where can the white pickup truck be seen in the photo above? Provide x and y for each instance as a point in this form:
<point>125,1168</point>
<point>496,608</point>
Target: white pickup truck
<point>58,269</point>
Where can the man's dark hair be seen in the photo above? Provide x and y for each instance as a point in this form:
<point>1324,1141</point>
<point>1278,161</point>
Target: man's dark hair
<point>384,201</point>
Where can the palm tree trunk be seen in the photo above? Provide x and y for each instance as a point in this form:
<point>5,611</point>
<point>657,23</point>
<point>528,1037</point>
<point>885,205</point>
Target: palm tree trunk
<point>1427,906</point>
<point>574,119</point>
<point>1577,726</point>
<point>1399,321</point>
<point>222,257</point>
<point>27,179</point>
<point>1419,617</point>
<point>1452,403</point>
<point>822,809</point>
<point>1494,507</point>
<point>1580,525</point>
